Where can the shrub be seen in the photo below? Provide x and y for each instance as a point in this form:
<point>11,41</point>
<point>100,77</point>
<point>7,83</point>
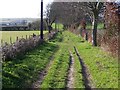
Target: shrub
<point>20,47</point>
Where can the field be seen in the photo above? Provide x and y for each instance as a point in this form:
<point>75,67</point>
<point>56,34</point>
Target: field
<point>13,34</point>
<point>58,26</point>
<point>53,58</point>
<point>100,26</point>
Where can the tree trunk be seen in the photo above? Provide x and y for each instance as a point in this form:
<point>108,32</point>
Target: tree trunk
<point>58,26</point>
<point>55,26</point>
<point>94,33</point>
<point>49,29</point>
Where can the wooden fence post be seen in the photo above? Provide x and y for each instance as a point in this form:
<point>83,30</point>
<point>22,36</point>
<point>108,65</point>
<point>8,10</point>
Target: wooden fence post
<point>26,36</point>
<point>29,36</point>
<point>1,42</point>
<point>10,40</point>
<point>17,38</point>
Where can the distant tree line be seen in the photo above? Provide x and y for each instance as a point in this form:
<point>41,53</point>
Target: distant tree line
<point>14,28</point>
<point>31,26</point>
<point>36,25</point>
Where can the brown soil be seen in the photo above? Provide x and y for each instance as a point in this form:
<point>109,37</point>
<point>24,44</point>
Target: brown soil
<point>70,82</point>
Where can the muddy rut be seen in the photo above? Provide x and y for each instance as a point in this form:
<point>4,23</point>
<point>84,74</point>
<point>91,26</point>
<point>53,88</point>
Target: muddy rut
<point>70,81</point>
<point>42,74</point>
<point>85,73</point>
<point>87,79</point>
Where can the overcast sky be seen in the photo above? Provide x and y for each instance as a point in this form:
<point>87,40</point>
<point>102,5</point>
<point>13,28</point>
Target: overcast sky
<point>21,8</point>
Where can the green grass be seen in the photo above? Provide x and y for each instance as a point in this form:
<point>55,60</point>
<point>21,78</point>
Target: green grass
<point>21,73</point>
<point>57,74</point>
<point>78,79</point>
<point>103,67</point>
<point>99,27</point>
<point>71,39</point>
<point>13,34</point>
<point>59,26</point>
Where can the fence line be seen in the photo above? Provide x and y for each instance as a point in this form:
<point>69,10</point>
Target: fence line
<point>22,46</point>
<point>11,39</point>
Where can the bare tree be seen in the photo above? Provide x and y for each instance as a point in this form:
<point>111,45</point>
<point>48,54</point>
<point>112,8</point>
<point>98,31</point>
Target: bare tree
<point>94,9</point>
<point>36,25</point>
<point>72,12</point>
<point>66,13</point>
<point>51,15</point>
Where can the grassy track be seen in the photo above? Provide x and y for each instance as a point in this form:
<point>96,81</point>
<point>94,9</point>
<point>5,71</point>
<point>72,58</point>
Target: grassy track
<point>13,34</point>
<point>57,74</point>
<point>78,80</point>
<point>72,40</point>
<point>56,77</point>
<point>102,67</point>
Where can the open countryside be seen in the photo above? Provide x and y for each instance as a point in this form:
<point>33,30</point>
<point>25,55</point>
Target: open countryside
<point>102,69</point>
<point>73,45</point>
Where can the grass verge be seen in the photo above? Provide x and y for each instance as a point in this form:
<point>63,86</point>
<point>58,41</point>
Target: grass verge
<point>103,67</point>
<point>22,73</point>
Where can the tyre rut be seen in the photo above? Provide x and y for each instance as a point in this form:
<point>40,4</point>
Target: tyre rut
<point>42,74</point>
<point>70,79</point>
<point>85,73</point>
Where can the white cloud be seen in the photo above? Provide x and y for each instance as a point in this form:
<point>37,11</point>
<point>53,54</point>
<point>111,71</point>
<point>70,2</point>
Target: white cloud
<point>20,8</point>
